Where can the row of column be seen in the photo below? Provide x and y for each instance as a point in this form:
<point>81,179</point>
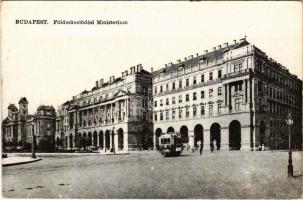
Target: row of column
<point>113,141</point>
<point>106,110</point>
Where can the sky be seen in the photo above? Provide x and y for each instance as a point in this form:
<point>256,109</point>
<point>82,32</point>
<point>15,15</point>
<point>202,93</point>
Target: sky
<point>50,63</point>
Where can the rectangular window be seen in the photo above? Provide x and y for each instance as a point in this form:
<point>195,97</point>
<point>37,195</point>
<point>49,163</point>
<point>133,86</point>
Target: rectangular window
<point>194,111</point>
<point>211,92</point>
<point>167,114</point>
<point>210,76</point>
<point>180,113</point>
<point>161,102</point>
<point>202,94</point>
<point>220,74</point>
<point>211,109</point>
<point>187,112</point>
<point>202,78</point>
<point>237,103</point>
<point>166,87</point>
<point>194,96</point>
<point>240,86</point>
<point>219,90</point>
<point>173,100</point>
<point>187,82</point>
<point>173,114</point>
<point>236,87</point>
<point>180,98</point>
<point>174,86</point>
<point>202,111</point>
<point>155,90</point>
<point>161,88</point>
<point>194,80</point>
<point>167,101</point>
<point>155,116</point>
<point>180,84</point>
<point>187,97</point>
<point>161,116</point>
<point>155,102</point>
<point>219,108</point>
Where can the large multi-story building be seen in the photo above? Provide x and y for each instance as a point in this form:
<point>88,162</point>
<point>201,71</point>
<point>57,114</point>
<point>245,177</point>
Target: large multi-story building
<point>113,115</point>
<point>234,97</point>
<point>19,127</point>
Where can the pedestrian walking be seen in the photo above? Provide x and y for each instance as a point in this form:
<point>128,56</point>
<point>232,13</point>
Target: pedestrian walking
<point>211,146</point>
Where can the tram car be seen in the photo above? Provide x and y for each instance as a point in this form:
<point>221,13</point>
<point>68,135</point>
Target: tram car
<point>170,144</point>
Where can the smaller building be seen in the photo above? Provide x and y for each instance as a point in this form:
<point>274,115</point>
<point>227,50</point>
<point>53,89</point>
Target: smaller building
<point>19,127</point>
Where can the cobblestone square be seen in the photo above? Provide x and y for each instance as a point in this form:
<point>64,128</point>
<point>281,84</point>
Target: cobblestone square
<point>222,174</point>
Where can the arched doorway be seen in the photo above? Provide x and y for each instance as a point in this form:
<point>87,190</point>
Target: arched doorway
<point>158,134</point>
<point>262,132</point>
<point>71,141</point>
<point>171,129</point>
<point>89,140</point>
<point>95,138</point>
<point>107,139</point>
<point>120,139</point>
<point>215,135</point>
<point>234,135</point>
<point>101,142</point>
<point>198,135</point>
<point>184,134</point>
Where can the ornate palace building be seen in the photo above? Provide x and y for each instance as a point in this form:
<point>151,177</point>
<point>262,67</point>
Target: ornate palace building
<point>113,115</point>
<point>234,97</point>
<point>19,127</point>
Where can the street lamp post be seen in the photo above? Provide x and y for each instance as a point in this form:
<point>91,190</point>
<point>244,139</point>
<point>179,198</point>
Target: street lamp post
<point>290,122</point>
<point>34,147</point>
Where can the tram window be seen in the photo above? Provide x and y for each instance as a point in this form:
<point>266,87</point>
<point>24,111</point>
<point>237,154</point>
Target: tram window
<point>165,141</point>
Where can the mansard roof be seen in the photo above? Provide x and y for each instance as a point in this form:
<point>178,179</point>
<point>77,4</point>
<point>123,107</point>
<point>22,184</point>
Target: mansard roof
<point>44,107</point>
<point>23,100</point>
<point>207,56</point>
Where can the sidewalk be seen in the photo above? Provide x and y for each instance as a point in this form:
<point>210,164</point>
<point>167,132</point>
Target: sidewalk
<point>16,160</point>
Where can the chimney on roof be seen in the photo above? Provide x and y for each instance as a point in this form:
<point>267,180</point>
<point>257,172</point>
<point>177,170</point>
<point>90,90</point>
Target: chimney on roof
<point>219,47</point>
<point>132,69</point>
<point>235,41</point>
<point>139,67</point>
<point>205,51</point>
<point>197,54</point>
<point>151,69</point>
<point>225,44</point>
<point>101,82</point>
<point>214,48</point>
<point>178,60</point>
<point>97,83</point>
<point>185,58</point>
<point>242,39</point>
<point>111,79</point>
<point>190,57</point>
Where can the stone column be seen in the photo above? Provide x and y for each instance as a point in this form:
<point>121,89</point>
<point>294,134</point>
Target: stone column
<point>116,141</point>
<point>206,139</point>
<point>110,139</point>
<point>224,139</point>
<point>225,95</point>
<point>191,139</point>
<point>92,142</point>
<point>104,143</point>
<point>98,139</point>
<point>229,97</point>
<point>125,141</point>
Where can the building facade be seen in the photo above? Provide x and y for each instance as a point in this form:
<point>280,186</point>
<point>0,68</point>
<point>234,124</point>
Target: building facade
<point>234,97</point>
<point>19,127</point>
<point>112,116</point>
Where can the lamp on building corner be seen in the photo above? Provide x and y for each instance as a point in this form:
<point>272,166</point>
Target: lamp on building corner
<point>290,122</point>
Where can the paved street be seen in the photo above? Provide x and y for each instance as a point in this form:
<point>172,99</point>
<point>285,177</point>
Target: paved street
<point>149,175</point>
